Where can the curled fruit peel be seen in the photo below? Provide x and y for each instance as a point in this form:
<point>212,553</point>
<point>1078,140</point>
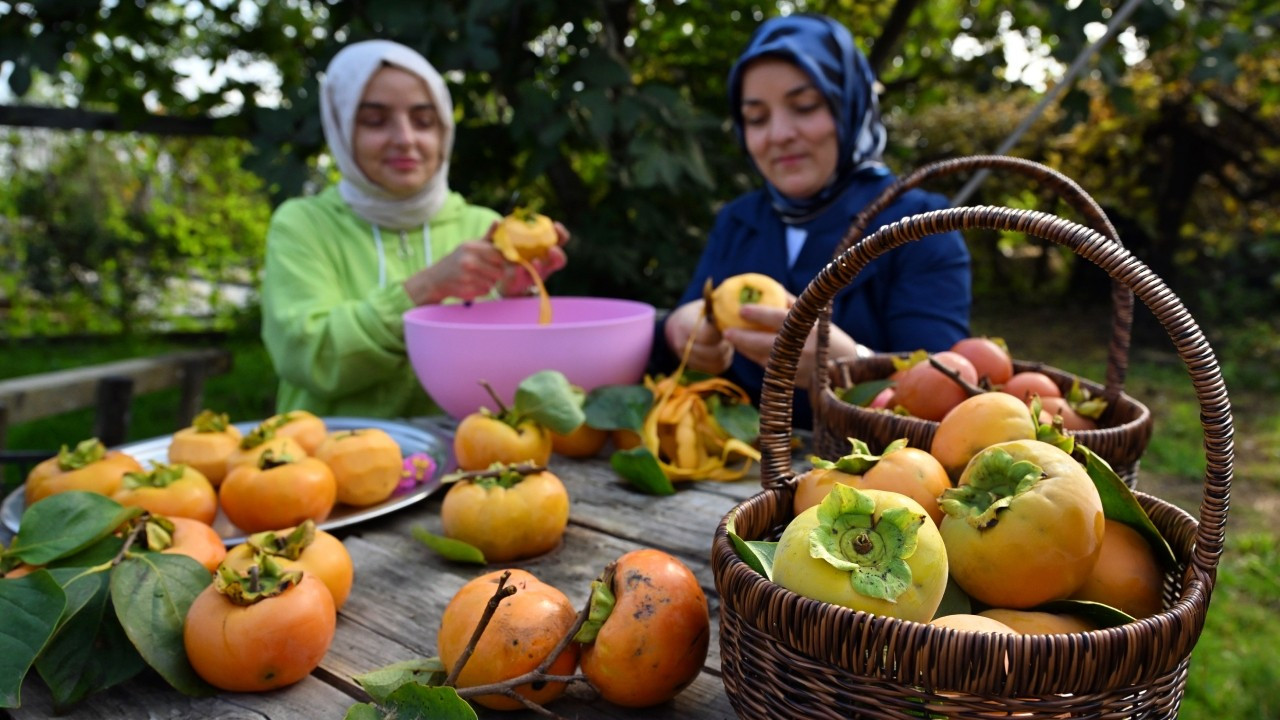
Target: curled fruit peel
<point>696,447</point>
<point>872,548</point>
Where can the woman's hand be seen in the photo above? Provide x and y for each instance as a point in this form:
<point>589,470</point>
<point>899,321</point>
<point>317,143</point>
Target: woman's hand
<point>756,345</point>
<point>469,272</point>
<point>710,353</point>
<point>516,280</point>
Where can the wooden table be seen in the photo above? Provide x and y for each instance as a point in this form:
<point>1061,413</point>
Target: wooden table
<point>401,589</point>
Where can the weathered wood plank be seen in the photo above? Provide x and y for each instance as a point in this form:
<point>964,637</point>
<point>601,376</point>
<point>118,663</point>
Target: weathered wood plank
<point>148,696</point>
<point>31,397</point>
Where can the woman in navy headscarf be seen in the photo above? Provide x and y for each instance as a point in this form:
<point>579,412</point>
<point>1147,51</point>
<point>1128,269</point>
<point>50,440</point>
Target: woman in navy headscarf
<point>804,108</point>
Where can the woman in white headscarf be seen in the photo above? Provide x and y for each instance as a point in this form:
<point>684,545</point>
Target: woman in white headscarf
<point>343,266</point>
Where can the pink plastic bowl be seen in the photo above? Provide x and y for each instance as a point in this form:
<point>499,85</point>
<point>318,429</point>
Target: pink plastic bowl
<point>593,341</point>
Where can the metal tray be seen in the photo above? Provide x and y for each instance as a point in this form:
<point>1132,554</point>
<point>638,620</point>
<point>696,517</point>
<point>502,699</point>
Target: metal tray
<point>412,439</point>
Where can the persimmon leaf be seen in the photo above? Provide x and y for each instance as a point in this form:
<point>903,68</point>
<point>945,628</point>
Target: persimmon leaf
<point>618,407</point>
<point>549,398</point>
<point>639,467</point>
<point>384,681</point>
<point>62,524</point>
<point>450,549</point>
<point>31,606</point>
<point>757,554</point>
<point>152,593</point>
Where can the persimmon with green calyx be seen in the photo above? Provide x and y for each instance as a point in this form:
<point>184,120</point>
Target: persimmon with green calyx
<point>367,464</point>
<point>260,441</point>
<point>304,427</point>
<point>544,402</point>
<point>173,490</point>
<point>206,444</point>
<point>901,469</point>
<point>726,300</point>
<point>90,467</point>
<point>647,635</point>
<point>866,550</point>
<point>259,630</point>
<point>526,627</point>
<point>185,536</point>
<point>278,492</point>
<point>977,423</point>
<point>508,512</point>
<point>305,548</point>
<point>1023,526</point>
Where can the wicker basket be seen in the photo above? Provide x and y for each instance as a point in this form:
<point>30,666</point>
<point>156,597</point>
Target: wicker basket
<point>1124,428</point>
<point>786,656</point>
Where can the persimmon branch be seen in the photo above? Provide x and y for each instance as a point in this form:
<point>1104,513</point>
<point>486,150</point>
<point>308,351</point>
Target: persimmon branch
<point>139,527</point>
<point>539,674</point>
<point>967,386</point>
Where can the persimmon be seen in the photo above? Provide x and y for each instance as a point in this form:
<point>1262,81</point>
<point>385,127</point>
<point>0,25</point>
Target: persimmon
<point>525,234</point>
<point>927,393</point>
<point>653,641</point>
<point>186,536</point>
<point>172,490</point>
<point>90,467</point>
<point>366,464</point>
<point>976,423</point>
<point>506,512</point>
<point>304,548</point>
<point>901,469</point>
<point>483,438</point>
<point>260,630</point>
<point>1127,576</point>
<point>625,439</point>
<point>525,628</point>
<point>206,444</point>
<point>745,289</point>
<point>866,550</point>
<point>971,623</point>
<point>1034,622</point>
<point>1028,383</point>
<point>1071,419</point>
<point>304,427</point>
<point>260,442</point>
<point>1023,526</point>
<point>278,493</point>
<point>584,442</point>
<point>989,357</point>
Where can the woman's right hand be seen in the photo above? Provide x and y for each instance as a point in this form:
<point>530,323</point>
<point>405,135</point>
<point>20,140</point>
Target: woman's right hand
<point>469,272</point>
<point>710,352</point>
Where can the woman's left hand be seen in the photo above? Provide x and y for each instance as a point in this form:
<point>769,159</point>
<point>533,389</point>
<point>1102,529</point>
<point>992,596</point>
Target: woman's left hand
<point>516,280</point>
<point>756,345</point>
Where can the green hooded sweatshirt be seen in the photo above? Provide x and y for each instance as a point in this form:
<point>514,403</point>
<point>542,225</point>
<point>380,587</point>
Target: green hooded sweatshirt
<point>334,332</point>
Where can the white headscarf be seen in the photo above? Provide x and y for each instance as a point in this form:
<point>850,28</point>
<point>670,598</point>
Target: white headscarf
<point>340,91</point>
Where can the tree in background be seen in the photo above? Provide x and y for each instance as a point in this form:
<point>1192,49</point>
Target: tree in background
<point>613,115</point>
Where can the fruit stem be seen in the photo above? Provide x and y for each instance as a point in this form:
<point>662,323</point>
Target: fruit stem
<point>967,386</point>
<point>502,407</point>
<point>502,592</point>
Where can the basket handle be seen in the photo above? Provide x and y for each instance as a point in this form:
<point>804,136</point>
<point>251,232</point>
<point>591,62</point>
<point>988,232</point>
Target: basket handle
<point>1064,187</point>
<point>1215,408</point>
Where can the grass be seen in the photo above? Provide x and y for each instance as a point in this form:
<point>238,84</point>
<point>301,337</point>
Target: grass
<point>1235,667</point>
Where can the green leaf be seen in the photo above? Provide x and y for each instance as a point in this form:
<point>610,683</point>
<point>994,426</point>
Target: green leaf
<point>62,524</point>
<point>1119,504</point>
<point>450,549</point>
<point>741,420</point>
<point>757,554</point>
<point>90,651</point>
<point>550,399</point>
<point>364,711</point>
<point>864,392</point>
<point>618,407</point>
<point>639,467</point>
<point>384,681</point>
<point>419,702</point>
<point>954,601</point>
<point>152,593</point>
<point>1104,616</point>
<point>31,606</point>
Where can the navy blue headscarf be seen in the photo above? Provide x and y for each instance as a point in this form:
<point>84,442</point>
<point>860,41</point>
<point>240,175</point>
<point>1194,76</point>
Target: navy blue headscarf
<point>825,51</point>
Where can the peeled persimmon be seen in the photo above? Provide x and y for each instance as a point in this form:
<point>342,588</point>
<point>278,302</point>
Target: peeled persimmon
<point>524,630</point>
<point>366,464</point>
<point>90,467</point>
<point>206,444</point>
<point>744,289</point>
<point>525,236</point>
<point>304,427</point>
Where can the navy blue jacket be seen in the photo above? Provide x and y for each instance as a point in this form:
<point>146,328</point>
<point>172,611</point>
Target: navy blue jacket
<point>916,296</point>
